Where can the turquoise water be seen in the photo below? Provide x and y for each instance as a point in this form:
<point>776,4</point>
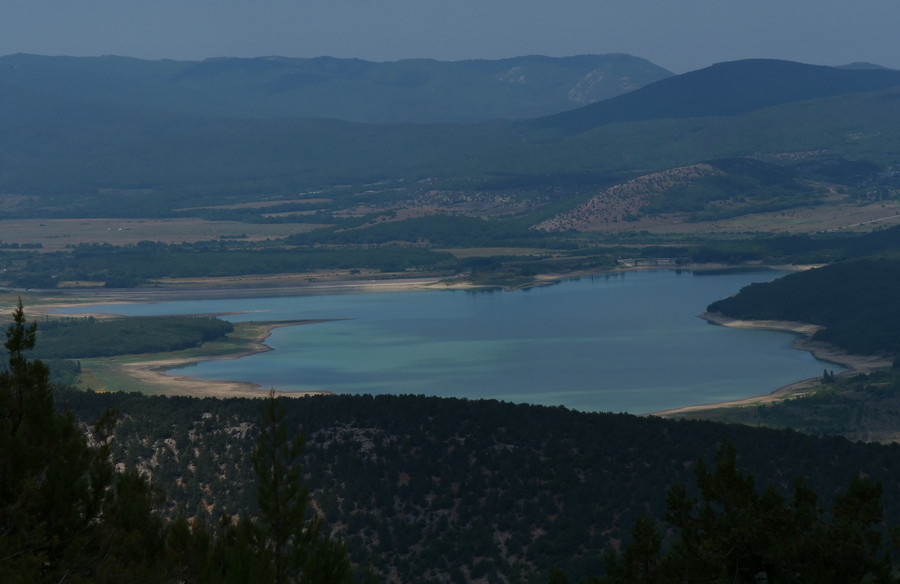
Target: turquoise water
<point>623,343</point>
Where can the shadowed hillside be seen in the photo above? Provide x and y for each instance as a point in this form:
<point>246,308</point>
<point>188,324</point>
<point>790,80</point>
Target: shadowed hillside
<point>413,90</point>
<point>725,89</point>
<point>432,490</point>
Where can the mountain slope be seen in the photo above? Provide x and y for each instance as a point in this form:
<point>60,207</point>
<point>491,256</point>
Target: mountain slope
<point>54,144</point>
<point>421,90</point>
<point>725,89</point>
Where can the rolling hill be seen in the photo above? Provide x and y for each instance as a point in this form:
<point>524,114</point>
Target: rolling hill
<point>418,90</point>
<point>725,89</point>
<point>779,135</point>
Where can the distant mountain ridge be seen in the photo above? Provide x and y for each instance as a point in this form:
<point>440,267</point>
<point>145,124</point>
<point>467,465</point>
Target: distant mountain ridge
<point>415,90</point>
<point>89,151</point>
<point>724,89</point>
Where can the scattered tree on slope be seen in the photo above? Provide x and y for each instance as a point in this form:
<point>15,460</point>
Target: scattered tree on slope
<point>67,515</point>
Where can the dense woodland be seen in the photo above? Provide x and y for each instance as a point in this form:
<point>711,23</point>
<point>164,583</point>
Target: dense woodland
<point>855,302</point>
<point>428,488</point>
<point>142,264</point>
<point>64,338</point>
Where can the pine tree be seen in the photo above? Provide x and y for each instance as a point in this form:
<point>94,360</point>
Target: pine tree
<point>300,548</point>
<point>65,514</point>
<point>735,533</point>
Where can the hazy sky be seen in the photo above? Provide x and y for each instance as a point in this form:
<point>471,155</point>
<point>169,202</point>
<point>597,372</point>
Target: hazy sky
<point>677,34</point>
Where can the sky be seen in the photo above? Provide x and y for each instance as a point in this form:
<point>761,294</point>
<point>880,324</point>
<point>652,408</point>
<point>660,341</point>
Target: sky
<point>680,35</point>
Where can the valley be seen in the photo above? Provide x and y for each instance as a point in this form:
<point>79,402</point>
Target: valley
<point>726,176</point>
<point>415,270</point>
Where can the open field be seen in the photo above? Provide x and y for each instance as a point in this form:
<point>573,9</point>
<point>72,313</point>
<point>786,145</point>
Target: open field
<point>357,277</point>
<point>260,204</point>
<point>486,252</point>
<point>56,234</point>
<point>835,217</point>
<point>41,304</point>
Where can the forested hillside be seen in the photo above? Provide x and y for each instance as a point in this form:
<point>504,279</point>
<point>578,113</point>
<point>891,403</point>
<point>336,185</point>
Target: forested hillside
<point>430,488</point>
<point>71,512</point>
<point>864,407</point>
<point>725,89</point>
<point>855,302</point>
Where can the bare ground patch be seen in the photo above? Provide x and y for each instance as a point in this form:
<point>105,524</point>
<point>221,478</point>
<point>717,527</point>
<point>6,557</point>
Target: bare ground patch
<point>834,217</point>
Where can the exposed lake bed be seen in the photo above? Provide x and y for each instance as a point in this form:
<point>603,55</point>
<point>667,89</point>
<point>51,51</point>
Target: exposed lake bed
<point>611,342</point>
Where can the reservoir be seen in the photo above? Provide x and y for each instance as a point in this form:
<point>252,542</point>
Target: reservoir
<point>626,342</point>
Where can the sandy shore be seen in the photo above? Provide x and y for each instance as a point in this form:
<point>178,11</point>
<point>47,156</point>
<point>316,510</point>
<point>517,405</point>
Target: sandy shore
<point>49,302</point>
<point>853,363</point>
<point>152,374</point>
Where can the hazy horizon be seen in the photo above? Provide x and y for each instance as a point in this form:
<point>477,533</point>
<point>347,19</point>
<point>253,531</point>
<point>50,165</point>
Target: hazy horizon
<point>677,35</point>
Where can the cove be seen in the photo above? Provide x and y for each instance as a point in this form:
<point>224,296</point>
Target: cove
<point>627,342</point>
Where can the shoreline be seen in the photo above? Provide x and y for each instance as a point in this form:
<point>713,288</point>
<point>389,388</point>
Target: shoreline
<point>854,363</point>
<point>51,301</point>
<point>151,376</point>
<point>277,285</point>
<point>153,373</point>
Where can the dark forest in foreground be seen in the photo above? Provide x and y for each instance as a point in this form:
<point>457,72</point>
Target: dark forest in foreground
<point>428,488</point>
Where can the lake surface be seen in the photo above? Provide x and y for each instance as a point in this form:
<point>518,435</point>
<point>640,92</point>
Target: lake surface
<point>624,343</point>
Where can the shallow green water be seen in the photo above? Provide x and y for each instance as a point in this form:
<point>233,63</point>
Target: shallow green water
<point>629,343</point>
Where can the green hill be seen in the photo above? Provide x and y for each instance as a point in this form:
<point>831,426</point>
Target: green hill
<point>80,149</point>
<point>725,89</point>
<point>855,302</point>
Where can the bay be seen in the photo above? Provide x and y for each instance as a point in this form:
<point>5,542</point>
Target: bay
<point>627,342</point>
